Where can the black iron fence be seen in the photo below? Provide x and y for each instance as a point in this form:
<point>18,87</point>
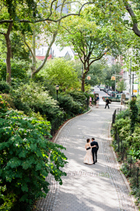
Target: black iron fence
<point>130,166</point>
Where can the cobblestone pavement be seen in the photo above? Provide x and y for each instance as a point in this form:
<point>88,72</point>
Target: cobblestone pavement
<point>98,187</point>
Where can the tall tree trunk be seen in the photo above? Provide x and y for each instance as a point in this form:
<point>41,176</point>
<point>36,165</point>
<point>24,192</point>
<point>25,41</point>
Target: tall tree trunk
<point>9,54</point>
<point>86,70</point>
<point>83,82</point>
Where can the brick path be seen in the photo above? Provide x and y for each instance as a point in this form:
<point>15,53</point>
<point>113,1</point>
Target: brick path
<point>98,187</point>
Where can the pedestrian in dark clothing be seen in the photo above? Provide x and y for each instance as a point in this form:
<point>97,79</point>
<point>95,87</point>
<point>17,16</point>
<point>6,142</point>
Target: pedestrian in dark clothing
<point>95,147</point>
<point>107,103</point>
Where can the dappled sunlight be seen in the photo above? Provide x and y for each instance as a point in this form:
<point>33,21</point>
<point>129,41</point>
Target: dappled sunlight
<point>85,190</point>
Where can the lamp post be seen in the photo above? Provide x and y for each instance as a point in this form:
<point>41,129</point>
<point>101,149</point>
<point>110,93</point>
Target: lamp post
<point>88,77</point>
<point>113,78</point>
<point>57,88</point>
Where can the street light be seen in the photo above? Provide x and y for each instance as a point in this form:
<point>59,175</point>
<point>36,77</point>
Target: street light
<point>88,77</point>
<point>113,78</point>
<point>57,88</point>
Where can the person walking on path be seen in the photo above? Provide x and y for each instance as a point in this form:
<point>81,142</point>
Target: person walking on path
<point>90,101</point>
<point>97,101</point>
<point>107,103</point>
<point>95,147</point>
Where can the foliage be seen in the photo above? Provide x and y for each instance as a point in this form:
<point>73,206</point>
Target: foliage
<point>18,68</point>
<point>133,114</point>
<point>126,144</point>
<point>91,39</point>
<point>33,97</point>
<point>123,114</point>
<point>9,100</point>
<point>70,106</point>
<point>60,72</point>
<point>21,53</point>
<point>96,73</point>
<point>121,85</point>
<point>3,105</point>
<point>110,71</point>
<point>6,199</point>
<point>4,87</point>
<point>42,81</point>
<point>27,158</point>
<point>79,96</point>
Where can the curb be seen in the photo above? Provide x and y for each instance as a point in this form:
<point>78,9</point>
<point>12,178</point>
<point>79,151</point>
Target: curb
<point>59,131</point>
<point>118,167</point>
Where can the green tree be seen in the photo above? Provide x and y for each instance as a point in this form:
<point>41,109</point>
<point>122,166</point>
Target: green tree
<point>121,85</point>
<point>19,53</point>
<point>133,9</point>
<point>96,74</point>
<point>20,14</point>
<point>91,41</point>
<point>60,72</point>
<point>110,71</point>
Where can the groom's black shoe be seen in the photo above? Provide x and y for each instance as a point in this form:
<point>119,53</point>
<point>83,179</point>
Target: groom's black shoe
<point>93,162</point>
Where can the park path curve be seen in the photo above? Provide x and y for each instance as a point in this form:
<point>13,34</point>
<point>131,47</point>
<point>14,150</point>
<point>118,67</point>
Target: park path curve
<point>99,187</point>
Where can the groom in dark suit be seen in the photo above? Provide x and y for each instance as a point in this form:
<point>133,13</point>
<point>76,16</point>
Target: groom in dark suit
<point>95,148</point>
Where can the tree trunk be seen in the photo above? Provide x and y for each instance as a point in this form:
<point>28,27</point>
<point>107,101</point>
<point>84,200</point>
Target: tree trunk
<point>34,57</point>
<point>134,18</point>
<point>9,54</point>
<point>47,55</point>
<point>86,70</point>
<point>83,82</point>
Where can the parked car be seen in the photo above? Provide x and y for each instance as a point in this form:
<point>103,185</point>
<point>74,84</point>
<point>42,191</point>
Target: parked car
<point>101,88</point>
<point>114,93</point>
<point>109,92</point>
<point>116,98</point>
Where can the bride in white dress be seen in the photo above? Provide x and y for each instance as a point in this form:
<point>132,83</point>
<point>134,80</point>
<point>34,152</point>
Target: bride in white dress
<point>88,159</point>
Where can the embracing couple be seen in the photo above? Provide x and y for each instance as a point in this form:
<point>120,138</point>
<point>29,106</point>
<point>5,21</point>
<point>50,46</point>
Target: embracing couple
<point>91,151</point>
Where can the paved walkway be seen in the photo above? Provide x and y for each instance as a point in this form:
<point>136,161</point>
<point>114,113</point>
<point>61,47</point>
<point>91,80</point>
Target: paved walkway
<point>98,187</point>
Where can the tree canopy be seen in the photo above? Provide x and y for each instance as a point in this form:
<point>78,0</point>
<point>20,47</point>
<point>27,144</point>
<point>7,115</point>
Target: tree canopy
<point>90,39</point>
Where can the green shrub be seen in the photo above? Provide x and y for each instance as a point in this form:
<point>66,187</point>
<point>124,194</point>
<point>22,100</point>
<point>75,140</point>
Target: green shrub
<point>120,123</point>
<point>133,114</point>
<point>27,158</point>
<point>6,199</point>
<point>3,105</point>
<point>4,87</point>
<point>33,97</point>
<point>18,69</point>
<point>79,97</point>
<point>123,114</point>
<point>125,169</point>
<point>8,99</point>
<point>69,105</point>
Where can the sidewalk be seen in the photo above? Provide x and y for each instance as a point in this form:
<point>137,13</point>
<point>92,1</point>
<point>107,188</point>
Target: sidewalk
<point>98,187</point>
